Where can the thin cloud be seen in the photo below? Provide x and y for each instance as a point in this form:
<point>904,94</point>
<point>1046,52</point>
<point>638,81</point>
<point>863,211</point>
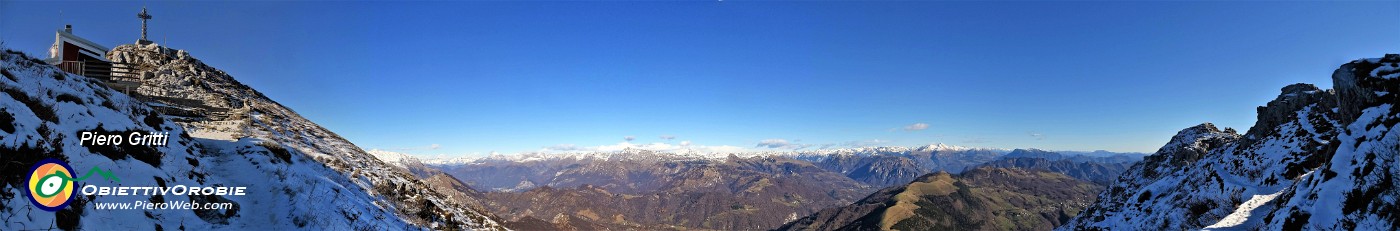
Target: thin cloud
<point>782,143</point>
<point>1036,135</point>
<point>668,137</point>
<point>772,143</point>
<point>564,147</point>
<point>684,146</point>
<point>629,138</point>
<point>916,127</point>
<point>854,144</point>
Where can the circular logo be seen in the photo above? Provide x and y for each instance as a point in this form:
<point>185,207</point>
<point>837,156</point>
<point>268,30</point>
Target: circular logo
<point>50,184</point>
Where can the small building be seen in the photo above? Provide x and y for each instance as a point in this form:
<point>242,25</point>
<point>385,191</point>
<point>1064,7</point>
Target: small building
<point>83,57</point>
<point>79,56</point>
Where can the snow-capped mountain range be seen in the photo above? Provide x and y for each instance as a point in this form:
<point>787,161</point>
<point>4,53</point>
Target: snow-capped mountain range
<point>682,155</point>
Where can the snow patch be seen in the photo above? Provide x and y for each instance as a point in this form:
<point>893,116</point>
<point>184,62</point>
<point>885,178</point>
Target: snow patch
<point>1244,212</point>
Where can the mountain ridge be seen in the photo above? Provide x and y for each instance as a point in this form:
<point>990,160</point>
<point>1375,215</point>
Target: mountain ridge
<point>1313,160</point>
<point>982,198</point>
<point>222,133</point>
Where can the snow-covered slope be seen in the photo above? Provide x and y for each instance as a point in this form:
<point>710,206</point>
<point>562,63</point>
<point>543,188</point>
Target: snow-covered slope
<point>1315,159</point>
<point>298,174</point>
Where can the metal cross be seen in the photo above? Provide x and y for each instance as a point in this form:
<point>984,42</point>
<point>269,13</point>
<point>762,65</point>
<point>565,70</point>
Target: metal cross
<point>143,16</point>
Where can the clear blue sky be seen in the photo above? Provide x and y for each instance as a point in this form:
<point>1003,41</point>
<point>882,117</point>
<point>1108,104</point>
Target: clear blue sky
<point>477,77</point>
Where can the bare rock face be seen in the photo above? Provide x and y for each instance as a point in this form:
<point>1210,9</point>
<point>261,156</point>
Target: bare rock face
<point>1360,84</point>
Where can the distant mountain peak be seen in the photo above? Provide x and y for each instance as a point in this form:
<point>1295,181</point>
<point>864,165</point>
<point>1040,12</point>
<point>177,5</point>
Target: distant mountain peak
<point>942,146</point>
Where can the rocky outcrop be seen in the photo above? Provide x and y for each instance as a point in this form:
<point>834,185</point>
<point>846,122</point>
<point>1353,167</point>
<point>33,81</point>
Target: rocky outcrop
<point>1285,107</point>
<point>173,77</point>
<point>1355,188</point>
<point>1186,147</point>
<point>1365,83</point>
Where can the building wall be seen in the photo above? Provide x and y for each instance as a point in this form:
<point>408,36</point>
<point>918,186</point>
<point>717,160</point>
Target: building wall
<point>78,62</point>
